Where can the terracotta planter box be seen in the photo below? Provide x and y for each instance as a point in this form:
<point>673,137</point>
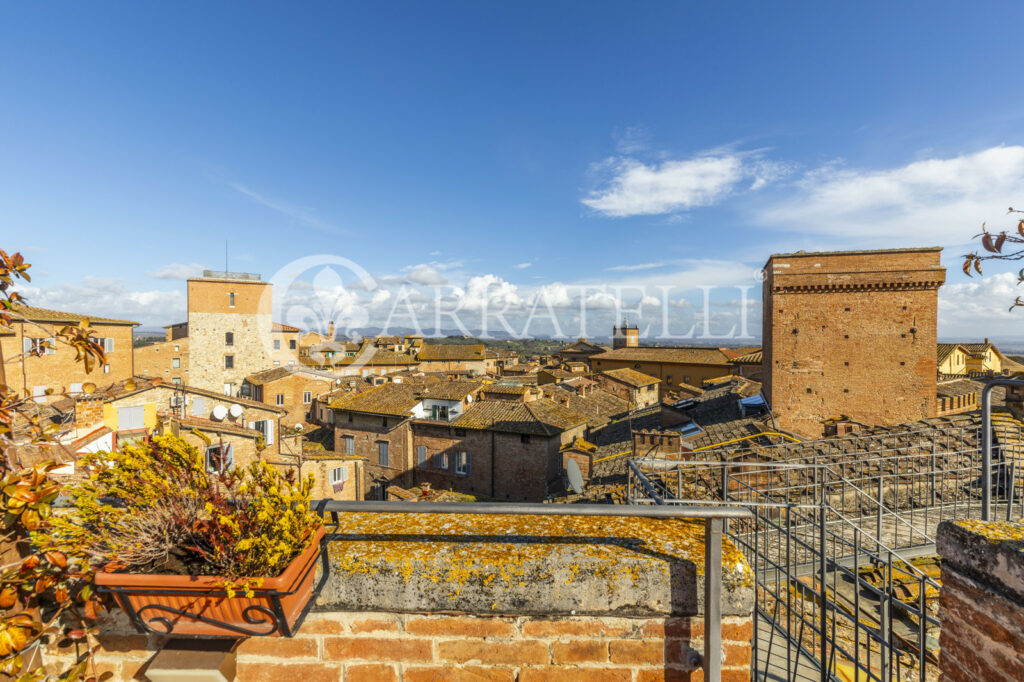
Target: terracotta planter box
<point>198,606</point>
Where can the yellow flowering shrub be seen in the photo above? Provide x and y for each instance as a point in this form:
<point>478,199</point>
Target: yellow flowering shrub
<point>153,508</point>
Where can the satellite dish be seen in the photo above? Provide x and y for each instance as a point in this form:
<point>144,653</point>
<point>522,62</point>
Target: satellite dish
<point>219,412</point>
<point>235,411</point>
<point>572,470</point>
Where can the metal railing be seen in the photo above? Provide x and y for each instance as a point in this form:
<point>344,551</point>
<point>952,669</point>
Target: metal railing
<point>837,532</point>
<point>715,523</point>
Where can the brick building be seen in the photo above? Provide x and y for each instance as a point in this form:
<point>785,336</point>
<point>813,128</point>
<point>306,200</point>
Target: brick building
<point>35,363</point>
<point>464,360</point>
<point>167,359</point>
<point>443,435</point>
<point>640,389</point>
<point>676,366</point>
<point>851,333</point>
<point>292,389</point>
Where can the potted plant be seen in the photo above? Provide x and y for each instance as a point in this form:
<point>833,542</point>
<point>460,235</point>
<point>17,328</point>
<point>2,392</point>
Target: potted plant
<point>187,552</point>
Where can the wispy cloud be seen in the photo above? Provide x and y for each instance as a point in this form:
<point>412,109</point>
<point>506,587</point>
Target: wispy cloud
<point>298,213</point>
<point>523,266</point>
<point>633,268</point>
<point>178,271</point>
<point>929,201</point>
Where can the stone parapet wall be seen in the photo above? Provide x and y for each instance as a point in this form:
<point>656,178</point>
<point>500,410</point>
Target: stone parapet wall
<point>466,597</point>
<point>982,601</point>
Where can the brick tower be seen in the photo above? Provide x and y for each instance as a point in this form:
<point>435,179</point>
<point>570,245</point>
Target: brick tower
<point>851,333</point>
<point>229,327</point>
<point>625,336</point>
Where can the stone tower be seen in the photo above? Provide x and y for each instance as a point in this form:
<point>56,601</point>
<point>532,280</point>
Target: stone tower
<point>625,336</point>
<point>851,334</point>
<point>229,327</point>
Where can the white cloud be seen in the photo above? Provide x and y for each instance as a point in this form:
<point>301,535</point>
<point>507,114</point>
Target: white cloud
<point>941,201</point>
<point>178,271</point>
<point>110,297</point>
<point>380,296</point>
<point>523,266</point>
<point>631,268</point>
<point>635,188</point>
<point>426,274</point>
<point>650,301</point>
<point>980,307</point>
<point>488,291</point>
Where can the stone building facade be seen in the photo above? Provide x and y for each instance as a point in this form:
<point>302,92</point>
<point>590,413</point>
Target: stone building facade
<point>851,334</point>
<point>230,329</point>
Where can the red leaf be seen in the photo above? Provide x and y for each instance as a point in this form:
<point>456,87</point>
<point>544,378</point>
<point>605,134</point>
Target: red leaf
<point>76,633</point>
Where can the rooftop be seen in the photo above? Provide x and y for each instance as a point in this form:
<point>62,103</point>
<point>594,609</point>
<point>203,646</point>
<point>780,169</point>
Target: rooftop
<point>539,417</point>
<point>451,352</point>
<point>631,377</point>
<point>691,355</point>
<point>34,314</point>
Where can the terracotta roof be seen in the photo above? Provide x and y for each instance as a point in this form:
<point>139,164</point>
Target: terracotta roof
<point>506,389</point>
<point>631,377</point>
<point>695,355</point>
<point>278,327</point>
<point>266,376</point>
<point>449,390</point>
<point>387,399</point>
<point>451,352</point>
<point>946,349</point>
<point>539,417</point>
<point>582,346</point>
<point>598,405</point>
<point>378,358</point>
<point>46,315</point>
<point>117,390</point>
<point>748,359</point>
<point>216,426</point>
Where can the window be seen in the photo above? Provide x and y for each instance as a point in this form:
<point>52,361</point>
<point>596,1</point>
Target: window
<point>291,344</point>
<point>337,478</point>
<point>229,389</point>
<point>76,388</point>
<point>439,412</point>
<point>175,363</point>
<point>276,363</point>
<point>686,379</point>
<point>39,393</point>
<point>421,456</point>
<point>460,432</point>
<point>229,338</point>
<point>231,300</point>
<point>176,380</point>
<point>382,454</point>
<point>280,398</point>
<point>307,397</point>
<point>441,460</point>
<point>384,422</point>
<point>462,464</point>
<point>106,369</point>
<point>219,458</point>
<point>524,438</point>
<point>277,344</point>
<point>175,348</point>
<point>350,444</point>
<point>40,346</point>
<point>229,362</point>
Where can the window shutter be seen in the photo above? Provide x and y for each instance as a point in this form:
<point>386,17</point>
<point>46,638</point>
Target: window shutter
<point>270,432</point>
<point>469,463</point>
<point>198,406</point>
<point>26,344</point>
<point>51,347</point>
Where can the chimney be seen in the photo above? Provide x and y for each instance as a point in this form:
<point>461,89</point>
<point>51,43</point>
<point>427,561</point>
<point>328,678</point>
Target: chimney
<point>986,342</point>
<point>88,411</point>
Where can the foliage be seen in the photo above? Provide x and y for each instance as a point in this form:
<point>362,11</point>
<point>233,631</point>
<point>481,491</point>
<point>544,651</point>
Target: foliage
<point>42,596</point>
<point>153,508</point>
<point>995,246</point>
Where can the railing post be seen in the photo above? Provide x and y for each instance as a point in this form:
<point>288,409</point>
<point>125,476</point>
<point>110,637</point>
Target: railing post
<point>986,443</point>
<point>713,530</point>
<point>823,615</point>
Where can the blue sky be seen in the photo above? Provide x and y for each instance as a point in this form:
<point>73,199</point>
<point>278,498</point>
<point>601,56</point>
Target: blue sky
<point>503,150</point>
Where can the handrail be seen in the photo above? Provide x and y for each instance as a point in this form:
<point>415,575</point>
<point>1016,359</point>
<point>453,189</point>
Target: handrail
<point>986,443</point>
<point>715,519</point>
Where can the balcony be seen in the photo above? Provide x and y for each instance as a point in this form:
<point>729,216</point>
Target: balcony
<point>421,591</point>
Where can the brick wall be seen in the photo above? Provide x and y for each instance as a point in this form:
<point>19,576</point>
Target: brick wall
<point>59,370</point>
<point>837,327</point>
<point>367,431</point>
<point>672,374</point>
<point>157,360</point>
<point>378,647</point>
<point>981,605</point>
